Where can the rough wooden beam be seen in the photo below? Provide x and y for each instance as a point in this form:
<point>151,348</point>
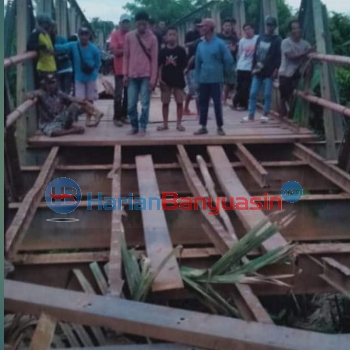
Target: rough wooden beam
<point>140,347</point>
<point>44,332</point>
<point>157,237</point>
<point>331,172</point>
<point>233,188</point>
<point>163,323</point>
<point>337,275</point>
<point>115,270</point>
<point>100,279</point>
<point>26,212</point>
<point>255,169</point>
<point>248,304</point>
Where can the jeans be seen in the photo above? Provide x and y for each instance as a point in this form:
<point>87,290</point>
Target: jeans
<point>139,87</point>
<point>207,91</point>
<point>244,80</point>
<point>120,98</point>
<point>65,82</point>
<point>254,90</point>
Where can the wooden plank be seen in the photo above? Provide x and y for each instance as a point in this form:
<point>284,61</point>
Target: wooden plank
<point>248,304</point>
<point>26,212</point>
<point>337,275</point>
<point>140,347</point>
<point>338,176</point>
<point>233,188</point>
<point>163,323</point>
<point>44,332</point>
<point>100,279</point>
<point>68,332</point>
<point>115,271</point>
<point>87,288</point>
<point>253,166</point>
<point>157,237</point>
<point>82,334</point>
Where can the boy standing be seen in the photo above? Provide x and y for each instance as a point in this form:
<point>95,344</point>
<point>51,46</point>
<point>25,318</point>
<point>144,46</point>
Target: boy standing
<point>172,63</point>
<point>87,62</point>
<point>266,61</point>
<point>140,63</point>
<point>120,91</point>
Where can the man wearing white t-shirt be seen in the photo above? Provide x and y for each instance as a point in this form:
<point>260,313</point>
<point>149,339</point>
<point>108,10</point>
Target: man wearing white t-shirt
<point>246,49</point>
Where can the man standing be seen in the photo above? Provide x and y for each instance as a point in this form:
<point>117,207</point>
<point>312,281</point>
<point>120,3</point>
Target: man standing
<point>246,49</point>
<point>266,61</point>
<point>213,59</point>
<point>120,92</point>
<point>193,35</point>
<point>294,52</point>
<point>231,41</point>
<point>140,65</point>
<point>86,62</point>
<point>40,41</point>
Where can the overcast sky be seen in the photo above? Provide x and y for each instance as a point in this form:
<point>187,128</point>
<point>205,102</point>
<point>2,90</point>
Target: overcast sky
<point>110,10</point>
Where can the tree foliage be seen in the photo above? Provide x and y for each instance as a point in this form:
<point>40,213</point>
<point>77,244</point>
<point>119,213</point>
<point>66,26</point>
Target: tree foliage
<point>101,26</point>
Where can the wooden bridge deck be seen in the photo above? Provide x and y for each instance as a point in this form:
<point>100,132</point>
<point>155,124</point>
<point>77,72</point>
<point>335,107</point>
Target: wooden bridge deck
<point>106,134</point>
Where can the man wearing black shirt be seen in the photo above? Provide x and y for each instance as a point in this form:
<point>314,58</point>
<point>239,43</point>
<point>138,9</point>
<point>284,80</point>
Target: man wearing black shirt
<point>193,35</point>
<point>229,36</point>
<point>172,63</point>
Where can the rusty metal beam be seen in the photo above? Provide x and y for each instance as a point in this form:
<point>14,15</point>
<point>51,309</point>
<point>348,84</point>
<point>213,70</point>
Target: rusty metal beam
<point>331,172</point>
<point>19,112</point>
<point>337,59</point>
<point>159,322</point>
<point>253,166</point>
<point>20,58</point>
<point>337,275</point>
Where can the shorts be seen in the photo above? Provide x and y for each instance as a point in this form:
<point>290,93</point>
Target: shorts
<point>191,84</point>
<point>167,91</point>
<point>86,91</point>
<point>287,86</point>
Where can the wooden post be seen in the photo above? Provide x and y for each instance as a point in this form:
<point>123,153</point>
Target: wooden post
<point>270,9</point>
<point>239,16</point>
<point>325,83</point>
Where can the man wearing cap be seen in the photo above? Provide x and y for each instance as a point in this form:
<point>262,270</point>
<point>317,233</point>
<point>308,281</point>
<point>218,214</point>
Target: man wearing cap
<point>86,62</point>
<point>266,61</point>
<point>140,70</point>
<point>120,92</point>
<point>40,41</point>
<point>213,60</point>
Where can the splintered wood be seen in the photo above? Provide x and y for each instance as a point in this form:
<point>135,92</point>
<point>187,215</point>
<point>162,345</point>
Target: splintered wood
<point>157,237</point>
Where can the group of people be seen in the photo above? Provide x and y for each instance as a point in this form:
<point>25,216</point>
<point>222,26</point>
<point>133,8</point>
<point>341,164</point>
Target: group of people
<point>207,68</point>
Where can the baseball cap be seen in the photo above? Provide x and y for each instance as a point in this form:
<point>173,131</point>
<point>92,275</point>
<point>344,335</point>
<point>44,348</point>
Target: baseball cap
<point>125,17</point>
<point>43,18</point>
<point>84,30</point>
<point>207,22</point>
<point>270,20</point>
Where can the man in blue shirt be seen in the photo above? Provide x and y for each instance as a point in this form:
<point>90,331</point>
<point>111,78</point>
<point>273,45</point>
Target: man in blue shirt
<point>86,62</point>
<point>213,59</point>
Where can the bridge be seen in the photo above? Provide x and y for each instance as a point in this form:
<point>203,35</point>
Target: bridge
<point>63,271</point>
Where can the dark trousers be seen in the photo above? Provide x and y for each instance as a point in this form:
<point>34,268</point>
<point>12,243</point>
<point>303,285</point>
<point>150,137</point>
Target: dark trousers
<point>65,81</point>
<point>244,80</point>
<point>206,92</point>
<point>120,98</point>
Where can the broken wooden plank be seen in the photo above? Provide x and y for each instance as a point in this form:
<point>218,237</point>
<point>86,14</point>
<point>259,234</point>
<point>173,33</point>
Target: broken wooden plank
<point>337,275</point>
<point>163,323</point>
<point>331,172</point>
<point>115,267</point>
<point>87,288</point>
<point>100,279</point>
<point>68,332</point>
<point>82,334</point>
<point>25,214</point>
<point>44,332</point>
<point>247,303</point>
<point>255,169</point>
<point>233,188</point>
<point>157,237</point>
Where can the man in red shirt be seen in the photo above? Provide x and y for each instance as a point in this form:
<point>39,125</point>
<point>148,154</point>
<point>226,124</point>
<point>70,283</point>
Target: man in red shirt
<point>120,94</point>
